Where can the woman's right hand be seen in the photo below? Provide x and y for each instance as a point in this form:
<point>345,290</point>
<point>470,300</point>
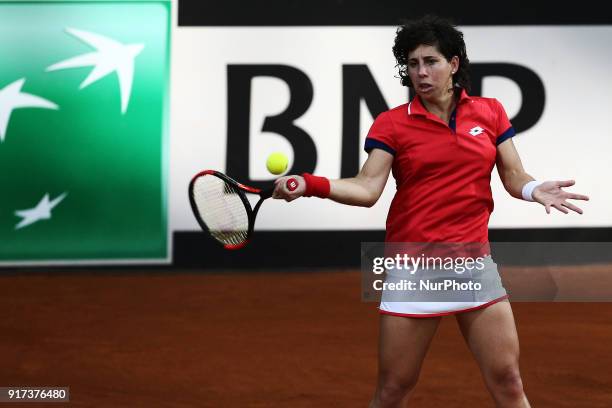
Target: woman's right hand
<point>284,189</point>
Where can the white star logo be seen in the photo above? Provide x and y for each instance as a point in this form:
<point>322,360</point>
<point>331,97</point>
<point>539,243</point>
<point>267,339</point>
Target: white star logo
<point>111,56</point>
<point>475,131</point>
<point>12,98</point>
<point>42,211</point>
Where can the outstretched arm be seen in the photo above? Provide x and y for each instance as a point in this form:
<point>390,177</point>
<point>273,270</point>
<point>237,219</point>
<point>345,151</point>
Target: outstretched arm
<point>549,194</point>
<point>510,169</point>
<point>362,190</point>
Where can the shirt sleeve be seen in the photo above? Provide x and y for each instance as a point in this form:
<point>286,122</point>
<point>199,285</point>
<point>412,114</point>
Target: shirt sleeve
<point>504,128</point>
<point>381,135</point>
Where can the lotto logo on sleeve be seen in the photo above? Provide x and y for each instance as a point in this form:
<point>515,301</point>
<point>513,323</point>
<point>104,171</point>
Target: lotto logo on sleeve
<point>83,123</point>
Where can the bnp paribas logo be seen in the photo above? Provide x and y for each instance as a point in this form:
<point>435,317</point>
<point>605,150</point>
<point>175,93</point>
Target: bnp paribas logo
<point>109,56</point>
<point>83,119</point>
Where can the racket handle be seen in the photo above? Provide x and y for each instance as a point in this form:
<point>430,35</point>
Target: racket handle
<point>292,184</point>
<point>267,193</point>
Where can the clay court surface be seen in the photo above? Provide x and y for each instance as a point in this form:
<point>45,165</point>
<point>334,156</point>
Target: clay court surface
<point>161,338</point>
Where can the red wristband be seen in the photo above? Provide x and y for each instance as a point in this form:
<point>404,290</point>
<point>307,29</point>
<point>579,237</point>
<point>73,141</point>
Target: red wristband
<point>316,186</point>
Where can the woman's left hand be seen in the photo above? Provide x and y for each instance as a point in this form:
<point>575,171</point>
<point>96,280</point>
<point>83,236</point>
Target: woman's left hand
<point>550,194</point>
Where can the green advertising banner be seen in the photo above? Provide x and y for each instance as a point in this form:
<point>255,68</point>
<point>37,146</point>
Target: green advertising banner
<point>83,131</point>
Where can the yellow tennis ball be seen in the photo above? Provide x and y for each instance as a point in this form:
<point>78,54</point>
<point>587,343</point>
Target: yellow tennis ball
<point>277,163</point>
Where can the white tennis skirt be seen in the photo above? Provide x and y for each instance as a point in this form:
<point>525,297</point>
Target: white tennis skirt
<point>431,293</point>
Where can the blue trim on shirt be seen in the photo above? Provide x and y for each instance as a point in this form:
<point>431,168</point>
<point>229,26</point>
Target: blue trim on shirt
<point>505,136</point>
<point>377,144</point>
<point>452,123</point>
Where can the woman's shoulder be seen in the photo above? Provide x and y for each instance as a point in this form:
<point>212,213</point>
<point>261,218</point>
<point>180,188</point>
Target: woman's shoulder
<point>491,103</point>
<point>396,113</point>
<point>489,107</point>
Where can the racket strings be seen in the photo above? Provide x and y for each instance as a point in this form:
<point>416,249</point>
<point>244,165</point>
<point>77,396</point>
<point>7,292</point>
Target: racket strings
<point>222,210</point>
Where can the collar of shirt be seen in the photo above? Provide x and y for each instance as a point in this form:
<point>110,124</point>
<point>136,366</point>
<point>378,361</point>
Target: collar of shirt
<point>415,107</point>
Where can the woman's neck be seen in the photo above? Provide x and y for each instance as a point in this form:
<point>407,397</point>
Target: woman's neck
<point>442,107</point>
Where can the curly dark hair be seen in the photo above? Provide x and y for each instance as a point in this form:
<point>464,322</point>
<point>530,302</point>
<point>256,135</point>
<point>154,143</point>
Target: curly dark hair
<point>436,32</point>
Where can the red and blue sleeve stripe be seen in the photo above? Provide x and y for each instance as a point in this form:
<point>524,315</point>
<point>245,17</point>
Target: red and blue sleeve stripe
<point>505,136</point>
<point>377,144</point>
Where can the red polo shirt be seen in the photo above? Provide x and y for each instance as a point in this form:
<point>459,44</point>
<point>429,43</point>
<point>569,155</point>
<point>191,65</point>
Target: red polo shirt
<point>442,170</point>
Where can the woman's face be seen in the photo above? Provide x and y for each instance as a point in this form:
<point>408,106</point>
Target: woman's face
<point>431,74</point>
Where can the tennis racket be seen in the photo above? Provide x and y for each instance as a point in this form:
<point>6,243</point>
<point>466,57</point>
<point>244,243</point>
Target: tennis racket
<point>221,207</point>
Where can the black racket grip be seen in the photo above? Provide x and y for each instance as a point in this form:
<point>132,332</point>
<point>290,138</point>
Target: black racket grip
<point>267,193</point>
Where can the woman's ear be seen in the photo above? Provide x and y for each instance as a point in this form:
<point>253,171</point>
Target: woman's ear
<point>454,64</point>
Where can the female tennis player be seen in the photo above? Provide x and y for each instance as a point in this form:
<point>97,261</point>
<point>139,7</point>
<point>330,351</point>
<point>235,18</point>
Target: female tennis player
<point>441,148</point>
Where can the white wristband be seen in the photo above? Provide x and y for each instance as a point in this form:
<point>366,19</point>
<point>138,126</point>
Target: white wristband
<point>528,189</point>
